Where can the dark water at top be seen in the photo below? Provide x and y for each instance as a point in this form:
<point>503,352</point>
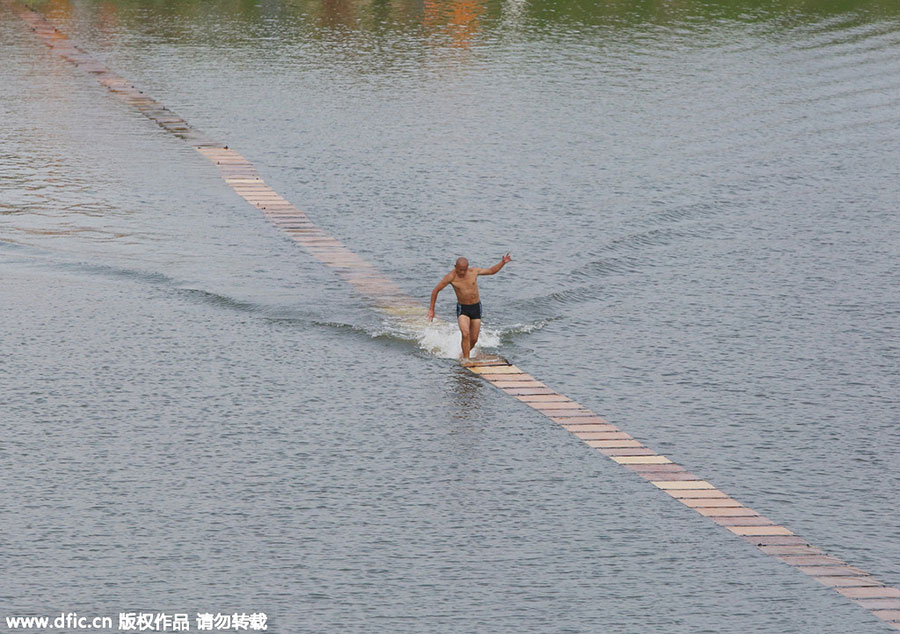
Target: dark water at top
<point>701,202</point>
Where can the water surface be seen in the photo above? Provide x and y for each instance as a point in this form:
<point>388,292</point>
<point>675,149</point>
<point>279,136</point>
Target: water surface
<point>700,201</point>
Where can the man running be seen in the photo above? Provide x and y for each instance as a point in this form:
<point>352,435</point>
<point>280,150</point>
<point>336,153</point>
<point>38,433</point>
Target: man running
<point>468,308</point>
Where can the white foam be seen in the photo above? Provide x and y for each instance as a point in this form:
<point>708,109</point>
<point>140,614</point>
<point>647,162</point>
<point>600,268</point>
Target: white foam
<point>441,338</point>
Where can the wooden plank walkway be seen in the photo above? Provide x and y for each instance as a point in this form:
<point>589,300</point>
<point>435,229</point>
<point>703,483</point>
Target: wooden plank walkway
<point>685,487</point>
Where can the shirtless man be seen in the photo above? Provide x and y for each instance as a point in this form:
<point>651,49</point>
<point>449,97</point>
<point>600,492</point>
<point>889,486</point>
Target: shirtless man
<point>468,308</point>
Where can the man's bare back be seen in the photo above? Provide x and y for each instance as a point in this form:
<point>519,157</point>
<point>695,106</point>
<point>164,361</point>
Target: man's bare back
<point>464,280</point>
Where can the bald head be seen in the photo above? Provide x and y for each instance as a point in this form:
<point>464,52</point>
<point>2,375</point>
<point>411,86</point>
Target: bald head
<point>462,263</point>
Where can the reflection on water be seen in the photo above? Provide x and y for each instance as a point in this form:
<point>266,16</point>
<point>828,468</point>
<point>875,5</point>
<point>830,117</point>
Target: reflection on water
<point>459,18</point>
<point>467,397</point>
<point>465,18</point>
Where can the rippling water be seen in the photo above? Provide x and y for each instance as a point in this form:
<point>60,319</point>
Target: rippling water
<point>701,203</point>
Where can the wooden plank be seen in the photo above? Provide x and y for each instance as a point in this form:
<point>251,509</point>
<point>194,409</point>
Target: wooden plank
<point>700,484</point>
<point>555,405</point>
<point>887,615</point>
<point>525,391</point>
<point>682,477</point>
<point>553,397</point>
<point>566,413</point>
<point>661,471</point>
<point>486,361</point>
<point>513,385</point>
<point>641,459</point>
<point>832,571</point>
<point>773,540</point>
<point>616,443</point>
<point>592,427</point>
<point>507,369</point>
<point>876,592</point>
<point>759,520</point>
<point>696,493</point>
<point>710,502</point>
<point>812,560</point>
<point>602,435</point>
<point>791,550</point>
<point>504,379</point>
<point>879,604</point>
<point>726,512</point>
<point>565,421</point>
<point>759,530</point>
<point>640,450</point>
<point>848,582</point>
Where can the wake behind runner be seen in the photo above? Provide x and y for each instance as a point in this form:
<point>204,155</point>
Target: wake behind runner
<point>464,280</point>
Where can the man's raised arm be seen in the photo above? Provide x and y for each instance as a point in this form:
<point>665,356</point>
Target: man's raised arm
<point>434,294</point>
<point>496,267</point>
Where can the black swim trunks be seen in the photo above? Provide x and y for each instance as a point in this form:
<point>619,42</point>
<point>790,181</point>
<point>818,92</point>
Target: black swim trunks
<point>472,311</point>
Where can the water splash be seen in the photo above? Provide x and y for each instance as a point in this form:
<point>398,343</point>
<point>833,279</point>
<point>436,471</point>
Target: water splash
<point>438,337</point>
<point>443,339</point>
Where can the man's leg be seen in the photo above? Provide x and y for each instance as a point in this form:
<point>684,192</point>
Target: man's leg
<point>474,329</point>
<point>464,329</point>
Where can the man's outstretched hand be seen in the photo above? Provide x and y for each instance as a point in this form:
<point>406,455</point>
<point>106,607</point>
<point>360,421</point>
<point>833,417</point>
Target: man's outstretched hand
<point>506,258</point>
<point>430,314</point>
